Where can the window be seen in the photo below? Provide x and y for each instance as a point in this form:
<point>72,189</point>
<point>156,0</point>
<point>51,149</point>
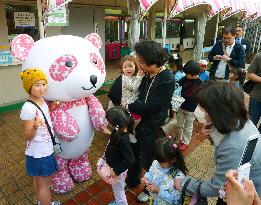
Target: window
<point>14,30</point>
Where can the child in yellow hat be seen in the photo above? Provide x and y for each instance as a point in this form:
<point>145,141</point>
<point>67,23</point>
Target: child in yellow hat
<point>40,160</point>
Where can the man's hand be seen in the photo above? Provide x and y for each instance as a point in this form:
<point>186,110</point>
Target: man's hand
<point>217,57</point>
<point>226,58</point>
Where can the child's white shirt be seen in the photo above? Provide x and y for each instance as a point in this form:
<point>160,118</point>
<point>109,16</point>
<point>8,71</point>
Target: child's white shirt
<point>41,145</point>
<point>130,88</point>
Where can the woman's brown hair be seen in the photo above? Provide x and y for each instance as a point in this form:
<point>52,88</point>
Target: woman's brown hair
<point>225,104</point>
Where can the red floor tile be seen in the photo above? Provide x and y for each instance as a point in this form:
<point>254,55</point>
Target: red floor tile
<point>70,202</point>
<point>105,197</point>
<point>100,193</point>
<point>131,197</point>
<point>92,202</point>
<point>95,188</point>
<point>82,197</point>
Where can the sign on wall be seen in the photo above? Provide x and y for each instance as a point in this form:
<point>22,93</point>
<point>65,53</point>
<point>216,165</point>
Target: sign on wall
<point>55,13</point>
<point>24,19</point>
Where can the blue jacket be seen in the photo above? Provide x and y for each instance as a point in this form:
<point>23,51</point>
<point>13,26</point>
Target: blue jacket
<point>245,43</point>
<point>237,56</point>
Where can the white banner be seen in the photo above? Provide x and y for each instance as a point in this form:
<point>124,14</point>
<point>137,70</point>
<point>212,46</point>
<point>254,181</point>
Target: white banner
<point>55,13</point>
<point>24,19</point>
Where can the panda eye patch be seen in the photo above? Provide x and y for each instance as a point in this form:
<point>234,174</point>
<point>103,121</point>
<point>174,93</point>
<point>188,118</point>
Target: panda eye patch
<point>69,64</point>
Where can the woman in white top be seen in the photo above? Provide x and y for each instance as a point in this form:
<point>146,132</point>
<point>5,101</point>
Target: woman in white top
<point>40,160</point>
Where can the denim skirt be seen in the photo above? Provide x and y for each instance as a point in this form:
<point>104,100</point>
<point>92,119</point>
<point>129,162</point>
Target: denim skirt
<point>44,166</point>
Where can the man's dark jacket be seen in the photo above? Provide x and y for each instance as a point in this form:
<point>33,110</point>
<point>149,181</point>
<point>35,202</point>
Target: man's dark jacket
<point>237,58</point>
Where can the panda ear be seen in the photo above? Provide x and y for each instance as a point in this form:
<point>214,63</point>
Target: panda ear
<point>21,45</point>
<point>95,39</point>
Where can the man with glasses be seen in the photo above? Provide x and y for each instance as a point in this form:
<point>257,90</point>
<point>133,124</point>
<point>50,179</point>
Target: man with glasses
<point>226,54</point>
<point>243,41</point>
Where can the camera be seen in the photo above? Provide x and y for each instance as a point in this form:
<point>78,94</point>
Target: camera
<point>57,148</point>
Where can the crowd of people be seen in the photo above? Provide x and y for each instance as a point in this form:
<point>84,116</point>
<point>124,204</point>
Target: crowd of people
<point>153,91</point>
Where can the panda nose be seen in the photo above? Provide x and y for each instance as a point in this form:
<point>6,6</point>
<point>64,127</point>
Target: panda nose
<point>93,80</point>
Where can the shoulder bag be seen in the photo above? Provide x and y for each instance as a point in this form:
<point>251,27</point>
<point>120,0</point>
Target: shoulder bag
<point>56,144</point>
<point>195,199</point>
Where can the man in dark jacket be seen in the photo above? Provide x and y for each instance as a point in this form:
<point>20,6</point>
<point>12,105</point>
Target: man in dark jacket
<point>225,54</point>
<point>243,41</point>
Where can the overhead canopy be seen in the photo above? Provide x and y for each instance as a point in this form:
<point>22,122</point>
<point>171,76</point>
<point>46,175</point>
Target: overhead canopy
<point>250,8</point>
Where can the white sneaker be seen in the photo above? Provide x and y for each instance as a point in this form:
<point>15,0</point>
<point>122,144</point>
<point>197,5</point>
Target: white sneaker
<point>143,197</point>
<point>133,139</point>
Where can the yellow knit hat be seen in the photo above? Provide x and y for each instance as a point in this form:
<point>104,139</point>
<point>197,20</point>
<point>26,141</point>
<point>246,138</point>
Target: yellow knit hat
<point>31,76</point>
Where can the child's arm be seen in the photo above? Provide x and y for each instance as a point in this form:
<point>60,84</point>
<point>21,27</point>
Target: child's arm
<point>31,126</point>
<point>97,113</point>
<point>149,175</point>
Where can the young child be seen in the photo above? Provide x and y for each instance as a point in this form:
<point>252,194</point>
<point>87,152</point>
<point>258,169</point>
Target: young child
<point>119,155</point>
<point>235,77</point>
<point>203,74</point>
<point>126,87</point>
<point>167,166</point>
<point>40,161</point>
<point>185,115</point>
<point>175,64</point>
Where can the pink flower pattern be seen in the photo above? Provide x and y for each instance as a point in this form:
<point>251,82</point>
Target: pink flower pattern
<point>21,45</point>
<point>95,39</point>
<point>61,180</point>
<point>97,113</point>
<point>80,168</point>
<point>97,62</point>
<point>59,71</point>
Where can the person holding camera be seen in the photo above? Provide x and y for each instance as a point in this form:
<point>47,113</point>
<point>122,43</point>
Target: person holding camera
<point>227,125</point>
<point>40,160</point>
<point>238,194</point>
<point>225,55</point>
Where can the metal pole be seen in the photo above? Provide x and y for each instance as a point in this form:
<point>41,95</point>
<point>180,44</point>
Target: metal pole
<point>40,19</point>
<point>216,32</point>
<point>165,22</point>
<point>253,50</point>
<point>259,42</point>
<point>245,27</point>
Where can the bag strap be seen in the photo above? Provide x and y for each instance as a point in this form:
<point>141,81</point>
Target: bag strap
<point>198,189</point>
<point>183,191</point>
<point>46,121</point>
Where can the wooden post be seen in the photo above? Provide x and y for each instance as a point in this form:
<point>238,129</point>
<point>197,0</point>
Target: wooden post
<point>40,19</point>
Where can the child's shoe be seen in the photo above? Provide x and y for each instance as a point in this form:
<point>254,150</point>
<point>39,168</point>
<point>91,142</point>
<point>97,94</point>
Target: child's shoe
<point>113,203</point>
<point>143,197</point>
<point>182,146</point>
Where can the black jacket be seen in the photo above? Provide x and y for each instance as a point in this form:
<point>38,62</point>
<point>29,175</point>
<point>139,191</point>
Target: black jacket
<point>159,97</point>
<point>237,57</point>
<point>115,92</point>
<point>120,157</point>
